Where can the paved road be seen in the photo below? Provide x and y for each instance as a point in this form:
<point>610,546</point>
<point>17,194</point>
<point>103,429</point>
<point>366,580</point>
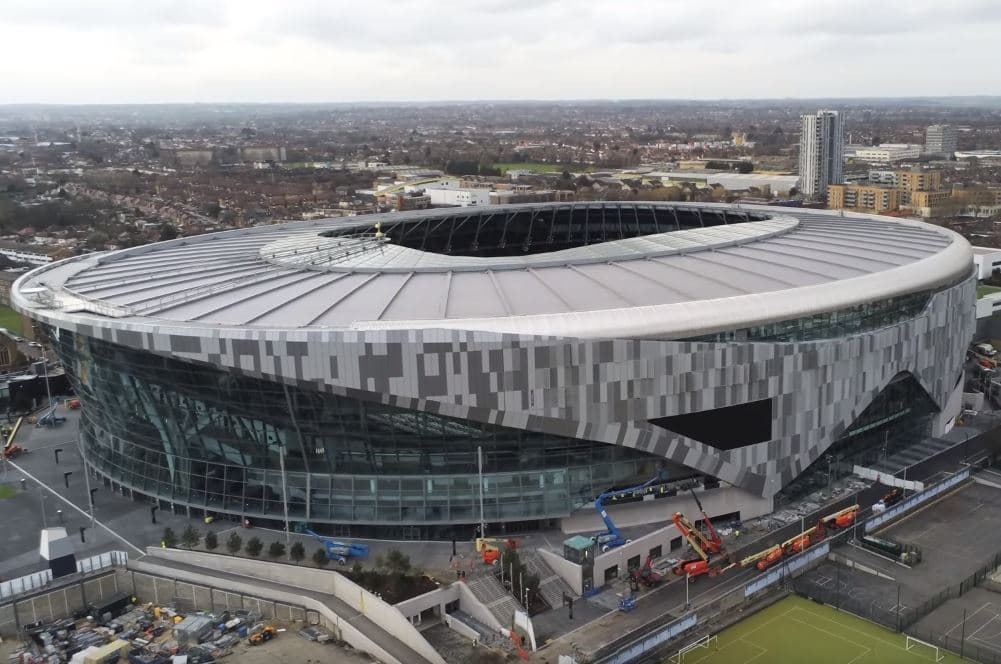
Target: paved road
<point>121,523</point>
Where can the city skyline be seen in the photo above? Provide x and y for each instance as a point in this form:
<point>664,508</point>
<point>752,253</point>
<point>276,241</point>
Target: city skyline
<point>187,51</point>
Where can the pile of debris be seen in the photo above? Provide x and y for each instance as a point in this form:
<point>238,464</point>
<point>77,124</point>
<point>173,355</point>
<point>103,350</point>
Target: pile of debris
<point>117,629</point>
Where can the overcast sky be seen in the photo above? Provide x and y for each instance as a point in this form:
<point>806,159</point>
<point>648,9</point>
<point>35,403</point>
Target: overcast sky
<point>117,51</point>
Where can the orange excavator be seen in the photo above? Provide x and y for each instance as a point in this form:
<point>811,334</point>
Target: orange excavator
<point>705,545</point>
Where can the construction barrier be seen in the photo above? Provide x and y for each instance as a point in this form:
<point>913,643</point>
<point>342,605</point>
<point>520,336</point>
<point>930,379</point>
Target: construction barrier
<point>915,500</point>
<point>653,641</point>
<point>786,569</point>
<point>38,580</point>
<point>887,478</point>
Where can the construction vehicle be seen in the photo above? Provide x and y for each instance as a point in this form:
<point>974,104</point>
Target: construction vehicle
<point>340,551</point>
<point>891,498</point>
<point>841,519</point>
<point>706,545</point>
<point>263,636</point>
<point>489,550</point>
<point>646,575</point>
<point>891,548</point>
<point>11,451</point>
<point>764,559</point>
<point>9,434</point>
<point>612,537</point>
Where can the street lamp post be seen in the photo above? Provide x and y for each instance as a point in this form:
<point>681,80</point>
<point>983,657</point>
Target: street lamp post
<point>45,367</point>
<point>281,461</point>
<point>86,477</point>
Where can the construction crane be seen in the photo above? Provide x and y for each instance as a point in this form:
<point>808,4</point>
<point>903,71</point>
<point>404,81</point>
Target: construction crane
<point>340,551</point>
<point>612,537</point>
<point>705,546</point>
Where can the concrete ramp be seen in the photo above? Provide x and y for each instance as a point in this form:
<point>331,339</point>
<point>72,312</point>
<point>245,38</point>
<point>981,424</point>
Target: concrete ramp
<point>370,628</point>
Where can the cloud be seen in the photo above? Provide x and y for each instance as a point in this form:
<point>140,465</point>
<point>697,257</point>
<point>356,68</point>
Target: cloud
<point>341,50</point>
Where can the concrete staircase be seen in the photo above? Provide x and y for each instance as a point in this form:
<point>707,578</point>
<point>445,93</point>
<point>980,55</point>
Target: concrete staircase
<point>489,590</point>
<point>912,455</point>
<point>552,587</point>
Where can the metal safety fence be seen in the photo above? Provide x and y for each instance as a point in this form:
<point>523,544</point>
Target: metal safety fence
<point>767,588</point>
<point>38,580</point>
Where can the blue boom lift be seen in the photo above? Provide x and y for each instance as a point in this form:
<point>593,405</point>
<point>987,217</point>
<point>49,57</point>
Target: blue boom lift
<point>340,551</point>
<point>612,537</point>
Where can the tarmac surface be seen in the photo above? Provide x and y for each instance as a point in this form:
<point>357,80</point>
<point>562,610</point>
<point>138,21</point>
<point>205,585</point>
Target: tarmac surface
<point>975,617</point>
<point>958,534</point>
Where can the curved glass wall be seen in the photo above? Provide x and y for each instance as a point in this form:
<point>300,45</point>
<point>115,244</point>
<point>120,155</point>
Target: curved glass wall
<point>202,437</point>
<point>830,324</point>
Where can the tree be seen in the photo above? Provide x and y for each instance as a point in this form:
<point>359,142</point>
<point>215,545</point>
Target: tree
<point>297,552</point>
<point>234,543</point>
<point>254,546</point>
<point>169,538</point>
<point>211,541</point>
<point>167,231</point>
<point>276,550</point>
<point>190,537</point>
<point>320,557</point>
<point>397,562</point>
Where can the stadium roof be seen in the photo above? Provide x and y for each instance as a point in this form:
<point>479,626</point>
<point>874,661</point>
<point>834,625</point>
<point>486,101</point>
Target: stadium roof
<point>587,270</point>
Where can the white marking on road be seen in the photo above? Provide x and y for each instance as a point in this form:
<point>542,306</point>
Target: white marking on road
<point>960,623</point>
<point>74,506</point>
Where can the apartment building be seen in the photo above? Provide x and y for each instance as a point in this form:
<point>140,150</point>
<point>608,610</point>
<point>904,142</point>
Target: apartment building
<point>864,198</point>
<point>821,153</point>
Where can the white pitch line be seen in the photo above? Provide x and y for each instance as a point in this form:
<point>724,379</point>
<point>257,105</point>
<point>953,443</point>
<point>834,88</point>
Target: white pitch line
<point>77,508</point>
<point>865,649</point>
<point>960,623</point>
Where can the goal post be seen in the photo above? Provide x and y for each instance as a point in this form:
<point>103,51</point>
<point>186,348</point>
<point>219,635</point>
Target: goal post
<point>912,643</point>
<point>707,641</point>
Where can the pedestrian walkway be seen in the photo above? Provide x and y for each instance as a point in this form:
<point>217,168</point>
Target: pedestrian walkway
<point>552,587</point>
<point>489,590</point>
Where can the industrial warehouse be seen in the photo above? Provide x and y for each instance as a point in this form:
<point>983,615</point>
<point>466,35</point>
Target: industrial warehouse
<point>417,374</point>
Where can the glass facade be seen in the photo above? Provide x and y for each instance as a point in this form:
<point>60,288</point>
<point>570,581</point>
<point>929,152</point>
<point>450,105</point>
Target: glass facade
<point>197,436</point>
<point>832,324</point>
<point>899,416</point>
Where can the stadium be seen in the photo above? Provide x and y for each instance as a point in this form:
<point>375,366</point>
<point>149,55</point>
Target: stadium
<point>408,375</point>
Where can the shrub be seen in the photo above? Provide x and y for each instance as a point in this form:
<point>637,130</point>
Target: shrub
<point>397,562</point>
<point>276,550</point>
<point>254,546</point>
<point>169,538</point>
<point>190,537</point>
<point>234,543</point>
<point>211,541</point>
<point>297,552</point>
<point>320,557</point>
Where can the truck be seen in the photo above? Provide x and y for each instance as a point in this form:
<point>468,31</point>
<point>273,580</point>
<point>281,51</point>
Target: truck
<point>984,353</point>
<point>891,548</point>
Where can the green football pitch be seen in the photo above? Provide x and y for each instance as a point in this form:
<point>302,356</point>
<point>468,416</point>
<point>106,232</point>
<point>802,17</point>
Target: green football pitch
<point>798,630</point>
